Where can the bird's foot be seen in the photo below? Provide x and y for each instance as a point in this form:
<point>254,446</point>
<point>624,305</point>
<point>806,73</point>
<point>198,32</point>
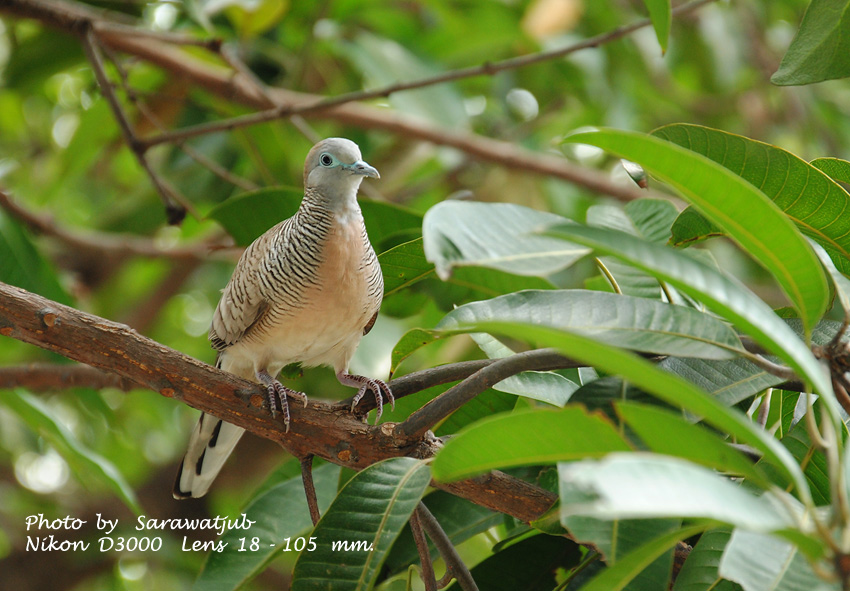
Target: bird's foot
<point>275,391</point>
<point>378,387</point>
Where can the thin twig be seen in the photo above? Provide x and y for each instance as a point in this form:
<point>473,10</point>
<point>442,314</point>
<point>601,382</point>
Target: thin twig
<point>447,550</point>
<point>424,552</point>
<point>101,246</point>
<point>175,206</point>
<point>310,489</point>
<point>485,69</point>
<point>186,148</point>
<point>104,26</point>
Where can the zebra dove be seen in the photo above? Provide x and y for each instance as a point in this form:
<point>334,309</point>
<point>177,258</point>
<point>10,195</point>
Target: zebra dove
<point>304,292</point>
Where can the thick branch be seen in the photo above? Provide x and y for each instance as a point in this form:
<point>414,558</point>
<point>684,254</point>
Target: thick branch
<point>321,429</point>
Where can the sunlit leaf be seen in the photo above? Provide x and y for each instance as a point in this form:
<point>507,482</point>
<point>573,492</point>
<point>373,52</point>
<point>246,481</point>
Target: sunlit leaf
<point>808,196</point>
<point>494,235</point>
<point>368,513</point>
<point>523,438</point>
<point>729,201</point>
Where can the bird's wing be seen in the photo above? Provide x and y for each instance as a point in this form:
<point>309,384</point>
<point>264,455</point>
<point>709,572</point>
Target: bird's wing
<point>242,304</point>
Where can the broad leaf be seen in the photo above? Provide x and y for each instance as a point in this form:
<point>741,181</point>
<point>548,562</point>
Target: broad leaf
<point>86,464</point>
<point>368,514</point>
<point>639,485</point>
<point>495,235</point>
<point>729,201</point>
<point>235,566</point>
<point>719,291</point>
<point>668,387</point>
<point>660,14</point>
<point>808,196</point>
<point>651,219</point>
<point>821,49</point>
<point>629,322</point>
<point>617,576</point>
<point>761,562</point>
<point>667,433</point>
<point>700,571</point>
<point>526,438</point>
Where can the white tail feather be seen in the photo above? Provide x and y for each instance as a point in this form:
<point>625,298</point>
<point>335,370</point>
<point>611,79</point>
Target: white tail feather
<point>211,444</point>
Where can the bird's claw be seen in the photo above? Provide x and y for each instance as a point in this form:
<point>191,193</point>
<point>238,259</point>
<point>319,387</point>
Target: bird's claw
<point>278,392</point>
<point>379,388</point>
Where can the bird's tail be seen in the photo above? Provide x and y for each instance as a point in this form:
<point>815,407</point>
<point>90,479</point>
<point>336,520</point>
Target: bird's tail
<point>210,445</point>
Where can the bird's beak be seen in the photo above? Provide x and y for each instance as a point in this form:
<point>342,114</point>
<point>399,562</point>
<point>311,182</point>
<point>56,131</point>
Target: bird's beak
<point>364,169</point>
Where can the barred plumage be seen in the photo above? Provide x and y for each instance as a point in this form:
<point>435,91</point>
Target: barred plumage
<point>306,291</point>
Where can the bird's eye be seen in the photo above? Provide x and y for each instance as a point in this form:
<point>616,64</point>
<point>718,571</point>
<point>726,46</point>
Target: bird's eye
<point>326,159</point>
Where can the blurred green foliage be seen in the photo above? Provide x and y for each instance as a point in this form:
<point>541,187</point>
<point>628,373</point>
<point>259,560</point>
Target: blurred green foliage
<point>62,158</point>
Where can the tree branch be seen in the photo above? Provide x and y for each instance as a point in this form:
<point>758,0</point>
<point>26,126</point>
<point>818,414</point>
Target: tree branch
<point>175,205</point>
<point>320,429</point>
<point>98,244</point>
<point>240,88</point>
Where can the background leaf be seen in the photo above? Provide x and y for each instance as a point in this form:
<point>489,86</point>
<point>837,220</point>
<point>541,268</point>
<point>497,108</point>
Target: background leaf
<point>821,49</point>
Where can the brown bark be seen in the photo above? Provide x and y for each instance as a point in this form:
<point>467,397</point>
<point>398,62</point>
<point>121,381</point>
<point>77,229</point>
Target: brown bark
<point>321,429</point>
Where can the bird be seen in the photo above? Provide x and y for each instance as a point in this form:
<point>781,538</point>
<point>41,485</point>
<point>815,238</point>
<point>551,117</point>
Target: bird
<point>306,292</point>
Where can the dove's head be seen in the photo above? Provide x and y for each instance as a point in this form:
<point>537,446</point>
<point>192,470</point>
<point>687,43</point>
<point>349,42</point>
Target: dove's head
<point>335,168</point>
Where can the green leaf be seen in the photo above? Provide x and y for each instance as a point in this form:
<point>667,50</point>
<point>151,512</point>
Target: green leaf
<point>459,518</point>
<point>86,464</point>
<point>640,485</point>
<point>839,281</point>
<point>700,571</point>
<point>667,433</point>
<point>660,14</point>
<point>729,201</point>
<point>248,215</point>
<point>808,196</point>
<point>21,264</point>
<point>403,266</point>
<point>234,567</point>
<point>531,564</point>
<point>761,562</point>
<point>545,386</point>
<point>668,387</point>
<point>730,381</point>
<point>837,169</point>
<point>724,294</point>
<point>650,219</point>
<point>526,438</point>
<point>629,322</point>
<point>821,48</point>
<point>252,18</point>
<point>494,235</point>
<point>40,56</point>
<point>617,576</point>
<point>370,510</point>
<point>692,227</point>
